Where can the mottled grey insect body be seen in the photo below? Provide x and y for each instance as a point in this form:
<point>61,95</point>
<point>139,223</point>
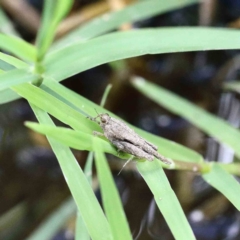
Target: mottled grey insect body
<point>126,140</point>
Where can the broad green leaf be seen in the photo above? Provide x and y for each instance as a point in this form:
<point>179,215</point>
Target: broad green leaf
<point>15,77</point>
<point>224,183</point>
<point>6,25</point>
<point>115,46</point>
<point>110,21</point>
<point>18,47</point>
<point>49,228</point>
<point>53,13</point>
<point>166,199</point>
<point>207,122</point>
<point>111,199</point>
<point>13,61</point>
<point>232,86</point>
<point>88,206</point>
<point>167,148</point>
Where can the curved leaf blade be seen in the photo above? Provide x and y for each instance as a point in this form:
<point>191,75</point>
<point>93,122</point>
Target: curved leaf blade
<point>15,77</point>
<point>166,199</point>
<point>111,199</point>
<point>18,47</point>
<point>207,122</point>
<point>224,183</point>
<point>110,21</point>
<point>121,45</point>
<point>53,13</point>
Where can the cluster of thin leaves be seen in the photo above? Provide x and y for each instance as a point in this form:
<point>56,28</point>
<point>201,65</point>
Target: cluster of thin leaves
<point>34,73</point>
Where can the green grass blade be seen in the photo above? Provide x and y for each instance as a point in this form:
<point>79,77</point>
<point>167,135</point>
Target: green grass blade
<point>6,25</point>
<point>9,62</point>
<point>4,66</point>
<point>83,195</point>
<point>8,95</point>
<point>13,61</point>
<point>111,199</point>
<point>74,139</point>
<point>115,46</point>
<point>88,167</point>
<point>81,232</point>
<point>48,103</point>
<point>15,77</point>
<point>166,199</point>
<point>224,183</point>
<point>110,21</point>
<point>18,47</point>
<point>167,148</point>
<point>207,122</point>
<point>54,222</point>
<point>53,13</point>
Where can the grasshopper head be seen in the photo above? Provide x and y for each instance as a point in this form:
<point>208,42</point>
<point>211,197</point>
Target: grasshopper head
<point>104,118</point>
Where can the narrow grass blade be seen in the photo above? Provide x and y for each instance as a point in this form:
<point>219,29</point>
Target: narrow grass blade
<point>207,122</point>
<point>111,199</point>
<point>81,230</point>
<point>15,77</point>
<point>83,195</point>
<point>13,61</point>
<point>53,13</point>
<point>224,183</point>
<point>115,46</point>
<point>74,139</point>
<point>6,25</point>
<point>4,66</point>
<point>18,47</point>
<point>49,228</point>
<point>166,199</point>
<point>48,103</point>
<point>110,21</point>
<point>8,95</point>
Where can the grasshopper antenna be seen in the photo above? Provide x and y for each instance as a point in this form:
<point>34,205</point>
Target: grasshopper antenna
<point>96,111</point>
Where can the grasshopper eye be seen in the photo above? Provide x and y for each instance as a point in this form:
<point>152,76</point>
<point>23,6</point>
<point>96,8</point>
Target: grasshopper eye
<point>104,119</point>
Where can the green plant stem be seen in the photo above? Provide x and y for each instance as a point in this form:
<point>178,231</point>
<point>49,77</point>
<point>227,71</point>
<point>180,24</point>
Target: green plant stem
<point>205,167</point>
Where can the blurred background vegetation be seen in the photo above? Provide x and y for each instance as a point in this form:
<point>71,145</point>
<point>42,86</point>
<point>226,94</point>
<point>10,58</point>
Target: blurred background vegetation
<point>31,182</point>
